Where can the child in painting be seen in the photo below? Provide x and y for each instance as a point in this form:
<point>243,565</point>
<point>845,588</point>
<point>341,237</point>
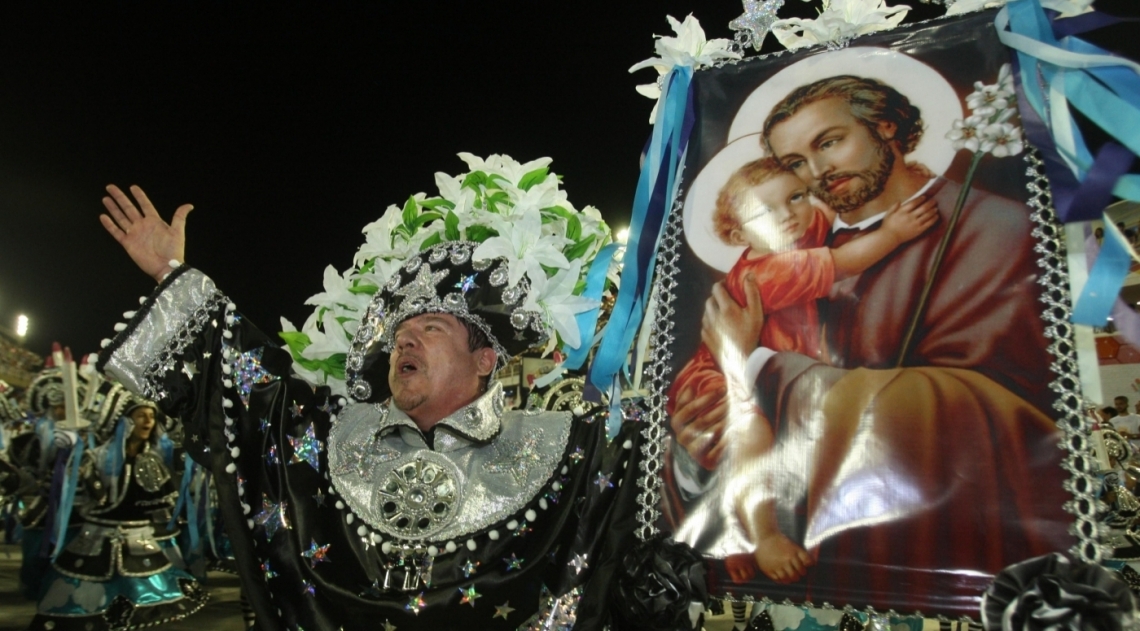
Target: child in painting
<point>769,211</point>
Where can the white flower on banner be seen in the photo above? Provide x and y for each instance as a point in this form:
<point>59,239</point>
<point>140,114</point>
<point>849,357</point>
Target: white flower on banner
<point>689,48</point>
<point>988,128</point>
<point>554,297</point>
<point>839,21</point>
<point>513,209</point>
<point>965,133</point>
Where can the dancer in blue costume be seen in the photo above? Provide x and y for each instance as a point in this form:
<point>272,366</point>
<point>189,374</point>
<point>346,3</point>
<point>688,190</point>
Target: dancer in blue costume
<point>122,570</point>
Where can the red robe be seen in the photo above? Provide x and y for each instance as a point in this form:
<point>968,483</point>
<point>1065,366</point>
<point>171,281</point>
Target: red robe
<point>789,283</point>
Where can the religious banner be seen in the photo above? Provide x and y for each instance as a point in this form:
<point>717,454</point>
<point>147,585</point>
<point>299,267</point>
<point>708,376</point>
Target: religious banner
<point>878,424</point>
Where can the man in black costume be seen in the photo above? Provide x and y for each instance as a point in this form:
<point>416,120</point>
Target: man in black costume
<point>432,508</point>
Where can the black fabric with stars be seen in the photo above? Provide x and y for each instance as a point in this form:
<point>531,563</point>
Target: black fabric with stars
<point>303,561</point>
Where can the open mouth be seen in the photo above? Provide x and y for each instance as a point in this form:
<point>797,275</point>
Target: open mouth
<point>407,366</point>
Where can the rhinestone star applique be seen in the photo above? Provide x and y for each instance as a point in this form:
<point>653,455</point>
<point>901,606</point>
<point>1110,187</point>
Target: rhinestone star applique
<point>415,604</point>
<point>517,457</point>
<point>579,563</point>
<point>271,457</point>
<point>423,285</point>
<point>269,573</point>
<point>317,554</point>
<point>603,481</point>
<point>757,21</point>
<point>466,284</point>
<point>469,568</point>
<point>271,517</point>
<point>513,563</point>
<point>249,372</point>
<point>308,588</point>
<point>503,610</point>
<point>469,595</point>
<point>577,455</point>
<point>306,448</point>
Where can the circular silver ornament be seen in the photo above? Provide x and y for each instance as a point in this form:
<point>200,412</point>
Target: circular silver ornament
<point>481,264</point>
<point>394,282</point>
<point>360,389</point>
<point>499,276</point>
<point>454,300</point>
<point>413,265</point>
<point>354,362</point>
<point>437,255</point>
<point>417,498</point>
<point>512,294</point>
<point>519,319</point>
<point>460,254</point>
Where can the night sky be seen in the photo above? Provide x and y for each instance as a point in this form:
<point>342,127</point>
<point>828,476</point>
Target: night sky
<point>291,125</point>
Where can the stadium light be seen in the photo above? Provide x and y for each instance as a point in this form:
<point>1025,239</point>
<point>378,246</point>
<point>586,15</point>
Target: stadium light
<point>622,235</point>
<point>21,325</point>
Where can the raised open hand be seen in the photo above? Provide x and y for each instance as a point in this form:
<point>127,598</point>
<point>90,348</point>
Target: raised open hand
<point>148,239</point>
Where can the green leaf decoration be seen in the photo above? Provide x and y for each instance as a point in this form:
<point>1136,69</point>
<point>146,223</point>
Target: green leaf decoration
<point>430,241</point>
<point>479,234</point>
<point>574,228</point>
<point>534,178</point>
<point>437,202</point>
<point>411,211</point>
<point>474,180</point>
<point>561,211</point>
<point>451,226</point>
<point>579,249</point>
<point>296,341</point>
<point>494,200</point>
<point>368,266</point>
<point>425,218</point>
<point>364,288</point>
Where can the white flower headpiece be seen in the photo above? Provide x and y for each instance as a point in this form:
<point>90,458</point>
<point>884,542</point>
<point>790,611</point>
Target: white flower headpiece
<point>513,210</point>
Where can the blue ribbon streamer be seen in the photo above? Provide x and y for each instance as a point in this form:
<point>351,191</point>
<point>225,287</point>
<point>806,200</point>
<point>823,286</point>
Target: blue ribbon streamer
<point>1105,278</point>
<point>1052,75</point>
<point>588,320</point>
<point>67,498</point>
<point>653,200</point>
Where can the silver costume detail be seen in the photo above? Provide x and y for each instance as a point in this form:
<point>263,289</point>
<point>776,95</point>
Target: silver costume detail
<point>179,312</point>
<point>554,613</point>
<point>486,466</point>
<point>150,472</point>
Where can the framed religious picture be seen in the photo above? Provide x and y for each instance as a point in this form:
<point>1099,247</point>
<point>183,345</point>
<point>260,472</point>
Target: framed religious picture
<point>871,393</point>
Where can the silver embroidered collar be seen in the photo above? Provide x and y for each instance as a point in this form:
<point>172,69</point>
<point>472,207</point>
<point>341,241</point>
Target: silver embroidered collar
<point>478,421</point>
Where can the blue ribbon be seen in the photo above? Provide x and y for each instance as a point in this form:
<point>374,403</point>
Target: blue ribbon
<point>1105,278</point>
<point>588,320</point>
<point>67,498</point>
<point>1053,74</point>
<point>653,200</point>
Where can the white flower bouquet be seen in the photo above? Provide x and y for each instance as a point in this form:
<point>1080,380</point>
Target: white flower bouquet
<point>513,210</point>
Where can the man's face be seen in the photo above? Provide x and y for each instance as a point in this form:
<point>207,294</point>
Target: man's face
<point>843,163</point>
<point>1121,405</point>
<point>433,373</point>
<point>144,423</point>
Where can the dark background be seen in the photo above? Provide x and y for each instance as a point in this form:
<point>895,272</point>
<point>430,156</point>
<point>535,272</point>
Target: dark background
<point>291,125</point>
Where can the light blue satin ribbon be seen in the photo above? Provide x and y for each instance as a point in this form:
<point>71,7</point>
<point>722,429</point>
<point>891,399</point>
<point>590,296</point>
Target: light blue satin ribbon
<point>653,201</point>
<point>67,498</point>
<point>1104,88</point>
<point>588,320</point>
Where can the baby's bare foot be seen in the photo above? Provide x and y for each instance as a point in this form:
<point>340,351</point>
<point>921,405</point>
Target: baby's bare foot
<point>780,559</point>
<point>741,567</point>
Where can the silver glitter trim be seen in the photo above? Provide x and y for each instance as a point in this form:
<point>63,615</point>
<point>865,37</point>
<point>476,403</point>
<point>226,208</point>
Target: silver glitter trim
<point>144,355</point>
<point>493,480</point>
<point>656,373</point>
<point>1070,404</point>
